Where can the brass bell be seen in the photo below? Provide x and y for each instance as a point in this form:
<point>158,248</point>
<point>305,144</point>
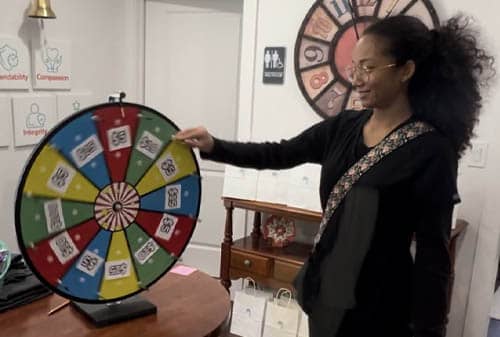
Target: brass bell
<point>41,9</point>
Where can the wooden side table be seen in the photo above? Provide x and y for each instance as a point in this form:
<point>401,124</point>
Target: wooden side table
<point>275,267</point>
<point>188,306</point>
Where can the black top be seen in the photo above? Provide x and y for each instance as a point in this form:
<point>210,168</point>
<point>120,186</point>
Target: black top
<point>416,184</point>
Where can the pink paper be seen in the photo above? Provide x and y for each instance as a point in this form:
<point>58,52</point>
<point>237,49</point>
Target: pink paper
<point>183,270</point>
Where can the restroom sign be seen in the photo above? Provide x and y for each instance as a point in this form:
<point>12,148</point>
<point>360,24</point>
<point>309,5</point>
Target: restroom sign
<point>274,65</point>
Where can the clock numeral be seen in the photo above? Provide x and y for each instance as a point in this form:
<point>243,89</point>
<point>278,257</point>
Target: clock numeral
<point>355,102</point>
<point>366,3</point>
<point>314,54</point>
<point>321,25</point>
<point>342,6</point>
<point>367,7</point>
<point>334,94</point>
<point>341,10</point>
<point>318,80</point>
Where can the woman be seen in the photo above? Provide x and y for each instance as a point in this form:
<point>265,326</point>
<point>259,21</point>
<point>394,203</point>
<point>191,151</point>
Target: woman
<point>361,279</point>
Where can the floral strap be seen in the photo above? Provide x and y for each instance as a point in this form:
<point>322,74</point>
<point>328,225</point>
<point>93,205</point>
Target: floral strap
<point>386,146</point>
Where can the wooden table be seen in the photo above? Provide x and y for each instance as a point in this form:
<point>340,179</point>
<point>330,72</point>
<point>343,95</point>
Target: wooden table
<point>188,306</point>
<point>275,267</point>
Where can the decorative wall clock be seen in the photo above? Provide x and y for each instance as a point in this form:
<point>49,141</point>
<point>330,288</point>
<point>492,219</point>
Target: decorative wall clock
<point>325,42</point>
<point>107,203</point>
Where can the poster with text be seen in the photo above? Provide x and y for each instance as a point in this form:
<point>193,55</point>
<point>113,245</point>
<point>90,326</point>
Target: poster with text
<point>68,104</point>
<point>5,121</point>
<point>51,64</point>
<point>14,64</point>
<point>33,117</point>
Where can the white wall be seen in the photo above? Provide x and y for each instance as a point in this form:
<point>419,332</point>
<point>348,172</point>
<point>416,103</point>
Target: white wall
<point>279,105</point>
<point>106,51</point>
<point>477,258</point>
<point>277,24</point>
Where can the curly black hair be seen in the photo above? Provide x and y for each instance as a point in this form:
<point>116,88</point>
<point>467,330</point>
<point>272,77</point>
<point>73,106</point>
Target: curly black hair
<point>450,71</point>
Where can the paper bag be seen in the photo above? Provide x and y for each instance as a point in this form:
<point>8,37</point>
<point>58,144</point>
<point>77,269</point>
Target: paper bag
<point>282,316</point>
<point>248,312</point>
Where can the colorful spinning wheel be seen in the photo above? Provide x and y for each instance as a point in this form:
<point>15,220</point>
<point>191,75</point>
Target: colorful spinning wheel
<point>107,203</point>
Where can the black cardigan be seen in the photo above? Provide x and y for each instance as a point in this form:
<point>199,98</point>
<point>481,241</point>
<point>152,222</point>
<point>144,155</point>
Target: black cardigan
<point>416,186</point>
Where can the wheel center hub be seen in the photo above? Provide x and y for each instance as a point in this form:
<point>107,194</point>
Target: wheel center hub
<point>116,206</point>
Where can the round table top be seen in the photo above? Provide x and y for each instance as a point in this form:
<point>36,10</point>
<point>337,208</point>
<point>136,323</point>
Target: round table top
<point>193,305</point>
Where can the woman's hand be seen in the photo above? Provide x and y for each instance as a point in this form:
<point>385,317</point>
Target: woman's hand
<point>197,138</point>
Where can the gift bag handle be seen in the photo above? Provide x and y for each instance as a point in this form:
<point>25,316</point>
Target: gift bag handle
<point>252,281</point>
<point>281,292</point>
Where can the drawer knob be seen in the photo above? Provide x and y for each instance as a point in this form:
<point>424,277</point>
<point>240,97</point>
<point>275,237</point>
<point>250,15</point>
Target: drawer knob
<point>247,263</point>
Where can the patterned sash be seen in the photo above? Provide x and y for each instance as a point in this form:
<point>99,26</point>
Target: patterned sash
<point>386,146</point>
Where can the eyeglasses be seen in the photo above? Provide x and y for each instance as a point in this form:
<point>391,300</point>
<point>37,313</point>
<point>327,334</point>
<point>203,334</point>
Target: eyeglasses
<point>363,71</point>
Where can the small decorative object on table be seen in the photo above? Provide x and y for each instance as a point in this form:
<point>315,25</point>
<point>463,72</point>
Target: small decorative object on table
<point>4,261</point>
<point>278,230</point>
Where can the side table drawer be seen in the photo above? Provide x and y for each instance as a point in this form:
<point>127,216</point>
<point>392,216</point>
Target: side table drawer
<point>285,271</point>
<point>251,263</point>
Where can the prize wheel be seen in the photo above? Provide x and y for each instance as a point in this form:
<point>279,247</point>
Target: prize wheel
<point>107,203</point>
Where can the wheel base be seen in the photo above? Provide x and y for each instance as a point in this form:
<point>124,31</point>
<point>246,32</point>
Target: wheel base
<point>106,314</point>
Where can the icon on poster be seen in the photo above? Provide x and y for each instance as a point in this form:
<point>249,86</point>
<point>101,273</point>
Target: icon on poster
<point>35,119</point>
<point>8,57</point>
<point>76,106</point>
<point>52,59</point>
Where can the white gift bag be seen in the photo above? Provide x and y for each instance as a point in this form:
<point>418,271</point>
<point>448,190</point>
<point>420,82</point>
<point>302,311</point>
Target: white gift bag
<point>248,311</point>
<point>282,316</point>
<point>303,325</point>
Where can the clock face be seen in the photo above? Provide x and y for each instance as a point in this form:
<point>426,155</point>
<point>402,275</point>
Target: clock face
<point>325,42</point>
